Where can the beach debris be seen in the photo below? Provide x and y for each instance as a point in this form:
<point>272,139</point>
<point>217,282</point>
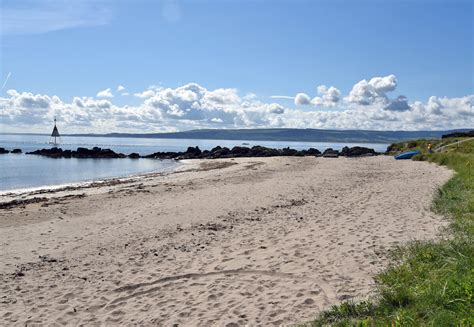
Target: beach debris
<point>15,203</point>
<point>47,258</point>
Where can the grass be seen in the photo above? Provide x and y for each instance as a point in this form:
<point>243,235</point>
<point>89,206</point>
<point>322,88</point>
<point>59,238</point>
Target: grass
<point>428,283</point>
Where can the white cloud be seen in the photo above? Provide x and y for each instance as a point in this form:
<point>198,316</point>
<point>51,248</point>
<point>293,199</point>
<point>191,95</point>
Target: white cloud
<point>398,104</point>
<point>122,90</point>
<point>107,93</point>
<point>282,97</point>
<point>329,97</point>
<point>302,99</point>
<point>372,91</point>
<point>145,94</point>
<point>192,106</point>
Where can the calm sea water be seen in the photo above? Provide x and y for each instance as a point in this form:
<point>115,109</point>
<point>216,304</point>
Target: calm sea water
<point>20,171</point>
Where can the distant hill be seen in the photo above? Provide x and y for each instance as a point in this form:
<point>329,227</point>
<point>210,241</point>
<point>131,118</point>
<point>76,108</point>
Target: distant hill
<point>290,134</point>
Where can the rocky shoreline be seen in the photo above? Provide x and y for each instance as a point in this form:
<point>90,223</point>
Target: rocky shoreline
<point>196,153</point>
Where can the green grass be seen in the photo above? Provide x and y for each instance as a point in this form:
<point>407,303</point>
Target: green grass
<point>428,283</point>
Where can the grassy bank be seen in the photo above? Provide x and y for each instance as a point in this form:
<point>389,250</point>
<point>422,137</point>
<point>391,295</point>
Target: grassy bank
<point>426,283</point>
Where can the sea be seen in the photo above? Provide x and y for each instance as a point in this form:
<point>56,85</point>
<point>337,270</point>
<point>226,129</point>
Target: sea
<point>21,172</point>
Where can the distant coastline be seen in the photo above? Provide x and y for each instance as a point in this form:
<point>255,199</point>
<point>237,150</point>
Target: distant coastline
<point>280,134</point>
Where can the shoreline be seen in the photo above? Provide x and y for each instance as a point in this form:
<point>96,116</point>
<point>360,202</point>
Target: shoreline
<point>26,194</point>
<point>254,241</point>
<point>87,183</point>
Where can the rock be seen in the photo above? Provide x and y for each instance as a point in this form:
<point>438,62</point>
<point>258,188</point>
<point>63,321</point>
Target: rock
<point>261,151</point>
<point>164,155</point>
<point>134,155</point>
<point>290,152</point>
<point>240,151</point>
<point>330,153</point>
<point>16,151</point>
<point>357,151</point>
<point>311,152</point>
<point>193,151</point>
<point>4,151</point>
<point>219,152</point>
<point>96,153</point>
<point>308,301</point>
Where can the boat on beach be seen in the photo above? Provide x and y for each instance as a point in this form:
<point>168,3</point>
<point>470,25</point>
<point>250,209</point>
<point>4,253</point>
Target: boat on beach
<point>406,155</point>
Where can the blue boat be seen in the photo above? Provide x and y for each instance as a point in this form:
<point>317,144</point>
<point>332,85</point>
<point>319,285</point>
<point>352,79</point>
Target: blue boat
<point>406,155</point>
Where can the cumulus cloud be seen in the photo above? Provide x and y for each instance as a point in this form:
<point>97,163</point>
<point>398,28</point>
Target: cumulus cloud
<point>368,92</point>
<point>145,94</point>
<point>302,99</point>
<point>329,96</point>
<point>107,93</point>
<point>398,104</point>
<point>193,106</point>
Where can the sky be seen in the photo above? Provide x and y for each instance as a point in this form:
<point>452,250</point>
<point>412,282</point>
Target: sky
<point>156,66</point>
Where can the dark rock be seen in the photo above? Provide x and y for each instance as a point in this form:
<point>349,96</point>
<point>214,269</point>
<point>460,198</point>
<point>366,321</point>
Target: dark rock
<point>134,155</point>
<point>330,153</point>
<point>357,151</point>
<point>290,152</point>
<point>95,153</point>
<point>235,152</point>
<point>164,155</point>
<point>219,152</point>
<point>16,151</point>
<point>240,151</point>
<point>311,152</point>
<point>4,151</point>
<point>84,151</point>
<point>193,151</point>
<point>261,151</point>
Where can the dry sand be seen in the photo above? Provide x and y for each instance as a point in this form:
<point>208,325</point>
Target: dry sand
<point>268,241</point>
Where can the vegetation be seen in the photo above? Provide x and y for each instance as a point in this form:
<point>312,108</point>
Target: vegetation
<point>427,283</point>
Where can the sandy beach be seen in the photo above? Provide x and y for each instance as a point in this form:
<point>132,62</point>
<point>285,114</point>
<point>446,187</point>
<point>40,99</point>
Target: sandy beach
<point>228,242</point>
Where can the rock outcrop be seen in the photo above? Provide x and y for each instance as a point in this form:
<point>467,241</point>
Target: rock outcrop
<point>235,152</point>
<point>83,153</point>
<point>330,153</point>
<point>4,151</point>
<point>197,153</point>
<point>357,151</point>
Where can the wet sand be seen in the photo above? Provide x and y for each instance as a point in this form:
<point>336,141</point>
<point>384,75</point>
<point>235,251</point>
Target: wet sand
<point>250,241</point>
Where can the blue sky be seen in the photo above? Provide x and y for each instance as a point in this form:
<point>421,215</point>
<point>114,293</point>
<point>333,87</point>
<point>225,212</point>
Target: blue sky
<point>267,48</point>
